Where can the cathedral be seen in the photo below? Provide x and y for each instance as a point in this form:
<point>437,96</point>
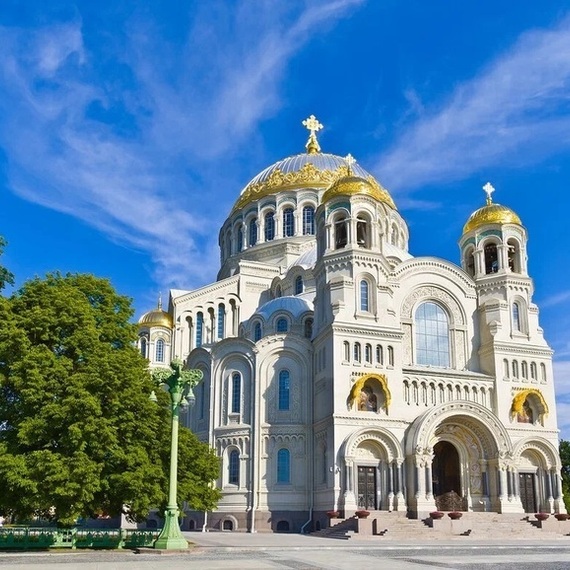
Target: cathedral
<point>341,373</point>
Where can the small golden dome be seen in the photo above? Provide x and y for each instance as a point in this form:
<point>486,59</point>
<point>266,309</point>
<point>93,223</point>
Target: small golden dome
<point>157,317</point>
<point>353,185</point>
<point>490,213</point>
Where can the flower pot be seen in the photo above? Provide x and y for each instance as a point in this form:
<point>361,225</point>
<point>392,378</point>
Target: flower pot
<point>362,514</point>
<point>333,514</point>
<point>454,515</point>
<point>561,516</point>
<point>541,516</point>
<point>436,515</point>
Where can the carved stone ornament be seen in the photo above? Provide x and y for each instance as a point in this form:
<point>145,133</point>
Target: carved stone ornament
<point>431,292</point>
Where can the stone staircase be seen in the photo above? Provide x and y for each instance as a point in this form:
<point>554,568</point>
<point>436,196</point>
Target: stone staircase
<point>396,526</point>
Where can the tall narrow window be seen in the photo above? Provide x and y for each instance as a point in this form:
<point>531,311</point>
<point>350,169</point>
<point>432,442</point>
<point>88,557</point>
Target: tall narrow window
<point>202,402</point>
<point>288,222</point>
<point>516,317</point>
<point>432,335</point>
<point>368,354</point>
<point>542,372</point>
<point>346,346</point>
<point>282,326</point>
<point>364,305</point>
<point>298,285</point>
<point>236,392</point>
<point>199,329</point>
<point>340,233</point>
<point>308,328</point>
<point>159,351</point>
<point>533,370</point>
<point>524,369</point>
<point>283,466</point>
<point>470,262</point>
<point>221,320</point>
<point>252,232</point>
<point>390,356</point>
<point>357,352</point>
<point>491,258</point>
<point>239,240</point>
<point>515,369</point>
<point>284,390</point>
<point>143,346</point>
<point>308,220</point>
<point>513,254</point>
<point>269,226</point>
<point>233,476</point>
<point>379,354</point>
<point>257,332</point>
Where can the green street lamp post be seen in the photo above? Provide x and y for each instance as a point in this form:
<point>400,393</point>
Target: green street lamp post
<point>180,383</point>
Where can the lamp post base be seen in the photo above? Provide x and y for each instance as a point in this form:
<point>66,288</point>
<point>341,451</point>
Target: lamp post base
<point>171,538</point>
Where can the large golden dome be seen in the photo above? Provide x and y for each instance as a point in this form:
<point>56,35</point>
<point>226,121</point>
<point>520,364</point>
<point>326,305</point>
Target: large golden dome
<point>352,185</point>
<point>312,169</point>
<point>491,213</point>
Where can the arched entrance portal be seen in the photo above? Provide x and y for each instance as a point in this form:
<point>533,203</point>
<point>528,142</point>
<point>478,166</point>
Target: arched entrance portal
<point>446,473</point>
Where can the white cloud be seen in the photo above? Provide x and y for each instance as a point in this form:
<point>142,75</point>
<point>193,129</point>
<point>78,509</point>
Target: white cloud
<point>515,110</point>
<point>556,299</point>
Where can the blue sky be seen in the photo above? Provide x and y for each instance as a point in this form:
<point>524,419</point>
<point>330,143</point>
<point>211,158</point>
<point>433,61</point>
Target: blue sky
<point>127,129</point>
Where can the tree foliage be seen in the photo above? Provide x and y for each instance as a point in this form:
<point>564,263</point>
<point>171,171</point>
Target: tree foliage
<point>6,278</point>
<point>78,432</point>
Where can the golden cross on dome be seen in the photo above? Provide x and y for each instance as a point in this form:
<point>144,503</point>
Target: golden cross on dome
<point>313,126</point>
<point>350,160</point>
<point>489,189</point>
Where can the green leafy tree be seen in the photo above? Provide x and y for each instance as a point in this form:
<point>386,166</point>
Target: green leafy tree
<point>79,434</point>
<point>6,278</point>
<point>564,450</point>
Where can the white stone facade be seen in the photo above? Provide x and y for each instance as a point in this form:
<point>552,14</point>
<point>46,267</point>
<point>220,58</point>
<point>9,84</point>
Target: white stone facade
<point>342,373</point>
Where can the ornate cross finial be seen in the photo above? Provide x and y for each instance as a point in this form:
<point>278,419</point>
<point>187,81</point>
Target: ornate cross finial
<point>489,190</point>
<point>160,301</point>
<point>350,160</point>
<point>313,126</point>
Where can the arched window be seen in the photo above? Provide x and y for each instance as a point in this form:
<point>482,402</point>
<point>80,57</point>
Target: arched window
<point>257,332</point>
<point>542,372</point>
<point>379,354</point>
<point>239,240</point>
<point>284,390</point>
<point>340,233</point>
<point>282,325</point>
<point>390,356</point>
<point>288,222</point>
<point>506,368</point>
<point>233,475</point>
<point>236,392</point>
<point>513,253</point>
<point>308,328</point>
<point>159,351</point>
<point>357,352</point>
<point>515,369</point>
<point>516,317</point>
<point>221,320</point>
<point>533,370</point>
<point>298,285</point>
<point>144,347</point>
<point>524,369</point>
<point>362,232</point>
<point>199,329</point>
<point>283,466</point>
<point>368,353</point>
<point>308,220</point>
<point>432,335</point>
<point>491,258</point>
<point>346,346</point>
<point>253,231</point>
<point>269,226</point>
<point>364,305</point>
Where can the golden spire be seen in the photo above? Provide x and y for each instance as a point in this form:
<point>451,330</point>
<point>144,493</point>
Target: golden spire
<point>313,126</point>
<point>489,190</point>
<point>350,160</point>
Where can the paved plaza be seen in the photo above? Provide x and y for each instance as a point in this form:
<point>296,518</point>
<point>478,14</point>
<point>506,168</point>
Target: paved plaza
<point>290,551</point>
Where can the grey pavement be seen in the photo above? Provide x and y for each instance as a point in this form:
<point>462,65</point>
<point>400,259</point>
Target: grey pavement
<point>217,550</point>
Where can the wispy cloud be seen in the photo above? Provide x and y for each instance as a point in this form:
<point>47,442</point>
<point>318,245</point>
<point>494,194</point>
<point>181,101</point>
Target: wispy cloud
<point>67,150</point>
<point>516,110</point>
<point>556,299</point>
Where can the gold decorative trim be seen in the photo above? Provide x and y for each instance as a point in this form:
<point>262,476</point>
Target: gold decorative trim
<point>520,398</point>
<point>352,185</point>
<point>359,384</point>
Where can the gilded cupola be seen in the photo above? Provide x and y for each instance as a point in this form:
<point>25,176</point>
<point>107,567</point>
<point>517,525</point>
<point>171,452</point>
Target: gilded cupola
<point>491,213</point>
<point>156,318</point>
